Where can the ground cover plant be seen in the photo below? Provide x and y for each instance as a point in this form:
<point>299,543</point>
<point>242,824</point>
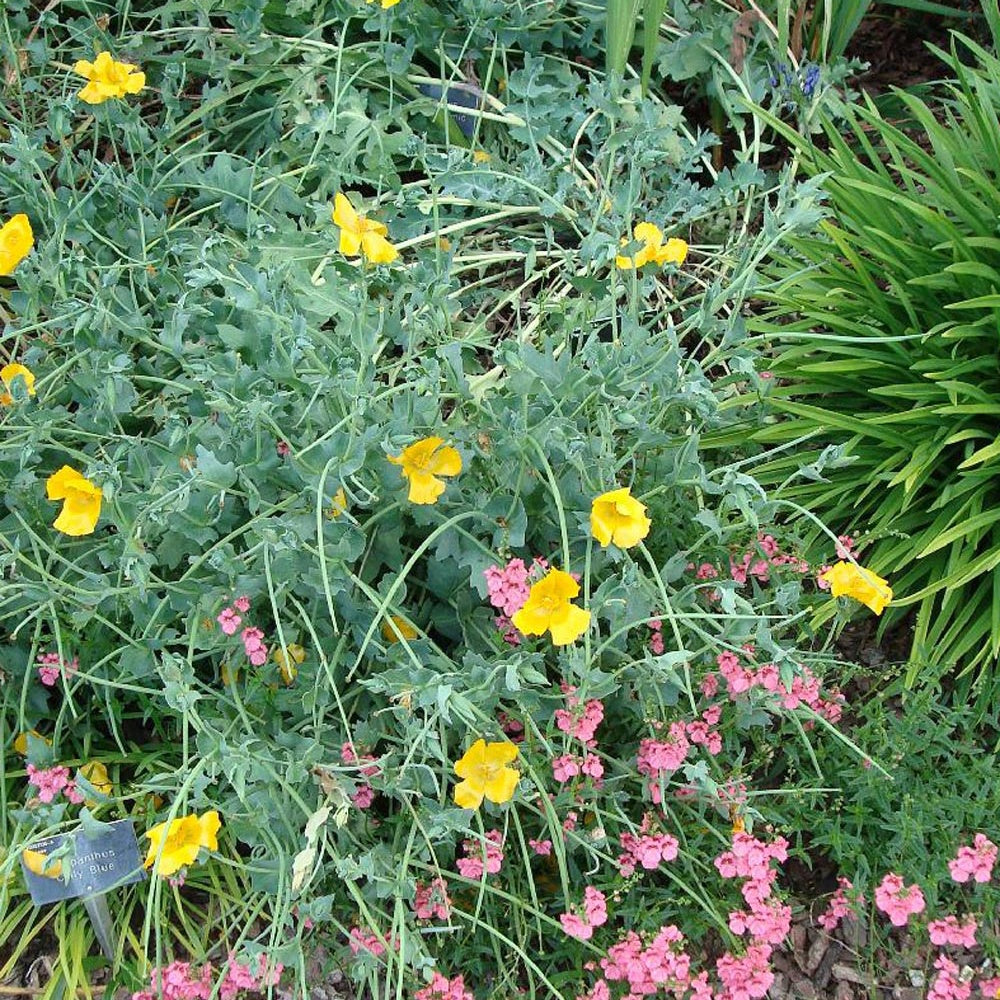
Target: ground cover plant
<point>357,543</point>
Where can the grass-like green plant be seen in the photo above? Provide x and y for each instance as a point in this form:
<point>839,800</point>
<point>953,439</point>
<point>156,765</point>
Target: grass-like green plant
<point>884,330</point>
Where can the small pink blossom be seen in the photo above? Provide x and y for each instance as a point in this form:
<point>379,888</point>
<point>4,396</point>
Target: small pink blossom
<point>431,901</point>
<point>481,856</point>
<point>950,931</point>
<point>359,940</point>
<point>897,901</point>
<point>229,621</point>
<point>839,907</point>
<point>363,797</point>
<point>50,667</point>
<point>543,848</point>
<point>253,644</point>
<point>974,862</point>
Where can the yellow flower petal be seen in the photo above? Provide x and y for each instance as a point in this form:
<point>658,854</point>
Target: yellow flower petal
<point>502,787</point>
<point>21,742</point>
<point>377,249</point>
<point>568,623</point>
<point>97,774</point>
<point>675,251</point>
<point>474,758</point>
<point>397,628</point>
<point>38,864</point>
<point>8,375</point>
<point>646,232</point>
<point>288,659</point>
<point>468,795</point>
<point>16,241</point>
<point>210,824</point>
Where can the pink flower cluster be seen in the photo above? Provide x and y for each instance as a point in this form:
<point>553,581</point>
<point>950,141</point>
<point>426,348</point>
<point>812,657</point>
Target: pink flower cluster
<point>657,759</point>
<point>52,781</point>
<point>50,667</point>
<point>480,856</point>
<point>745,977</point>
<point>229,618</point>
<point>580,723</point>
<point>656,644</point>
<point>766,920</point>
<point>441,988</point>
<point>840,906</point>
<point>253,645</point>
<point>365,794</point>
<point>178,981</point>
<point>804,690</point>
<point>758,562</point>
<point>432,900</point>
<point>543,848</point>
<point>645,850</point>
<point>570,766</point>
<point>662,966</point>
<point>513,728</point>
<point>359,940</point>
<point>899,902</point>
<point>950,931</point>
<point>662,963</point>
<point>508,587</point>
<point>595,914</point>
<point>974,862</point>
<point>948,983</point>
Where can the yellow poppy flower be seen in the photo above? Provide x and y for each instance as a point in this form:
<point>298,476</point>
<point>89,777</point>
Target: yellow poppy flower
<point>618,517</point>
<point>361,235</point>
<point>422,462</point>
<point>180,841</point>
<point>396,628</point>
<point>481,156</point>
<point>16,241</point>
<point>7,376</point>
<point>97,774</point>
<point>38,864</point>
<point>288,660</point>
<point>386,4</point>
<point>654,251</point>
<point>81,501</point>
<point>486,774</point>
<point>108,78</point>
<point>548,609</point>
<point>847,579</point>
